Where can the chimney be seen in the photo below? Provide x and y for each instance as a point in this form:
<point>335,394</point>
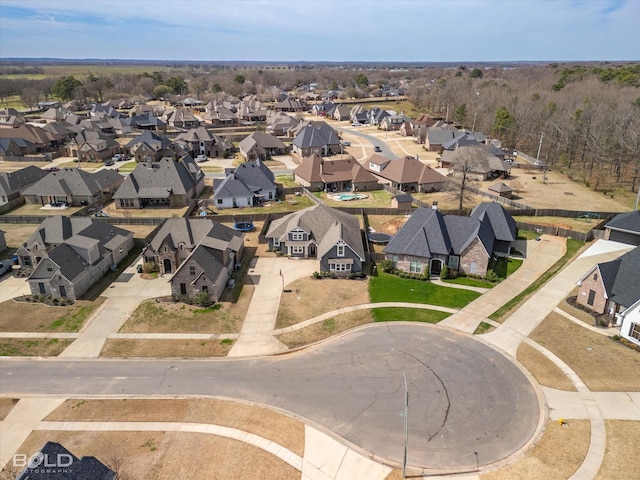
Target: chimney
<point>321,167</point>
<point>434,206</point>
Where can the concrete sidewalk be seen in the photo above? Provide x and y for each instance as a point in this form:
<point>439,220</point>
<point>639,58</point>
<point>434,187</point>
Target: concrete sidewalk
<point>541,255</point>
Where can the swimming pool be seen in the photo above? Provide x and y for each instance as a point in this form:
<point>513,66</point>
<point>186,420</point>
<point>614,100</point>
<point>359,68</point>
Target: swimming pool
<point>345,197</point>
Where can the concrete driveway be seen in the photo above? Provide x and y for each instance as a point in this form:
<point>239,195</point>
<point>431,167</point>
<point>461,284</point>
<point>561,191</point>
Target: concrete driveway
<point>270,276</point>
<point>11,287</point>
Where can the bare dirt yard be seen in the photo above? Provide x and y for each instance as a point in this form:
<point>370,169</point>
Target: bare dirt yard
<point>310,297</point>
<point>6,404</point>
<point>124,348</point>
<point>543,370</point>
<point>596,359</point>
<point>13,166</point>
<point>33,347</point>
<point>253,418</point>
<point>168,455</point>
<point>112,211</point>
<point>558,454</point>
<point>16,234</point>
<point>621,457</point>
<point>175,317</point>
<point>577,224</point>
<point>37,317</point>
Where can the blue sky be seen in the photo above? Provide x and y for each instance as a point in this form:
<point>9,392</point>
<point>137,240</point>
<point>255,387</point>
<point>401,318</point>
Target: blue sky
<point>329,30</point>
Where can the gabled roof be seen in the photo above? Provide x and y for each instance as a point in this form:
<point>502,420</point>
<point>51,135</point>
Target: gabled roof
<point>627,222</point>
<point>503,224</point>
<point>261,139</point>
<point>57,228</point>
<point>440,135</point>
<point>316,169</point>
<point>321,221</point>
<point>423,235</point>
<point>316,134</point>
<point>500,188</point>
<point>152,139</point>
<point>197,134</point>
<point>409,170</point>
<point>20,179</point>
<point>74,182</point>
<point>191,232</point>
<point>159,179</point>
<point>621,278</point>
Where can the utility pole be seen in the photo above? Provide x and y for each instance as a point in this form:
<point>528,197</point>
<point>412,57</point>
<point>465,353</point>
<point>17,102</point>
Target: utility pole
<point>539,147</point>
<point>406,426</point>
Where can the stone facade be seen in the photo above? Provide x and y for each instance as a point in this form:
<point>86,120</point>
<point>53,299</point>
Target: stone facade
<point>475,259</point>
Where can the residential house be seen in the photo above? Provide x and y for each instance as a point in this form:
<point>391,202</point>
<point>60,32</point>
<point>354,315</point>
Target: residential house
<point>61,464</point>
<point>323,109</point>
<point>611,287</point>
<point>359,114</point>
<point>12,184</point>
<point>147,121</point>
<point>200,141</point>
<point>376,115</point>
<point>407,174</point>
<point>316,137</point>
<point>478,161</point>
<point>290,105</point>
<point>70,268</point>
<point>261,145</point>
<point>394,122</point>
<point>250,184</point>
<point>167,183</point>
<point>221,114</point>
<point>91,146</point>
<point>323,233</point>
<point>342,113</point>
<point>624,228</point>
<point>10,118</point>
<point>318,174</point>
<point>279,123</point>
<point>630,323</point>
<point>178,238</point>
<point>436,137</point>
<point>74,187</point>
<point>43,140</point>
<point>53,115</point>
<point>148,147</point>
<point>430,240</point>
<point>181,118</point>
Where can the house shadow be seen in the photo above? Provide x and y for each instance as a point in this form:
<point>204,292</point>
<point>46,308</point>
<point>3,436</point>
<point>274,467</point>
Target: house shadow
<point>519,248</point>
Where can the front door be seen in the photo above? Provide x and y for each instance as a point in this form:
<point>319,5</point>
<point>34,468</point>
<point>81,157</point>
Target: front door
<point>312,250</point>
<point>63,291</point>
<point>436,267</point>
<point>167,265</point>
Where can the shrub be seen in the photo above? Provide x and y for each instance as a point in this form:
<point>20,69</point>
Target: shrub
<point>316,275</point>
<point>444,273</point>
<point>150,267</point>
<point>492,276</point>
<point>386,265</point>
<point>203,299</point>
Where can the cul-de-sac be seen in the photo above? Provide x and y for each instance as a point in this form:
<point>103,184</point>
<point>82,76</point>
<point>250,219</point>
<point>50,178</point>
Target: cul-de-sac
<point>329,270</point>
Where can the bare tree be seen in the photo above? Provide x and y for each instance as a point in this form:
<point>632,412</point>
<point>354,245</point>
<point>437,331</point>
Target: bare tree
<point>468,160</point>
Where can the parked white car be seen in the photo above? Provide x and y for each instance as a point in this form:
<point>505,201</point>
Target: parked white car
<point>201,158</point>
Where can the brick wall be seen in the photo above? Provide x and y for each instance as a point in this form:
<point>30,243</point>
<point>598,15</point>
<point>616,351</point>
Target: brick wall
<point>593,281</point>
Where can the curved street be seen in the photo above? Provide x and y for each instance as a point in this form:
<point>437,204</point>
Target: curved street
<point>459,418</point>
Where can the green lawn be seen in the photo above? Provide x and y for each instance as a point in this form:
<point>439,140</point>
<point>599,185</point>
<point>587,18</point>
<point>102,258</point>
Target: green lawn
<point>390,288</point>
<point>504,267</point>
<point>286,181</point>
<point>376,199</point>
<point>393,314</point>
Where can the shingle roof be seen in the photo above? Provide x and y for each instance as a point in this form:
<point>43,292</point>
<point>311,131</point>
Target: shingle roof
<point>57,228</point>
<point>409,170</point>
<point>629,222</point>
<point>321,221</point>
<point>84,468</point>
<point>191,231</point>
<point>621,278</point>
<point>316,169</point>
<point>20,179</point>
<point>168,175</point>
<point>316,134</point>
<point>503,224</point>
<point>74,182</point>
<point>423,235</point>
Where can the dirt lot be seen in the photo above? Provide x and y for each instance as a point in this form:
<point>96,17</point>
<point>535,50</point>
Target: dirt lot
<point>168,455</point>
<point>111,209</point>
<point>166,348</point>
<point>596,359</point>
<point>310,297</point>
<point>544,370</point>
<point>13,166</point>
<point>325,329</point>
<point>262,421</point>
<point>170,317</point>
<point>558,454</point>
<point>37,209</point>
<point>386,223</point>
<point>16,234</point>
<point>577,224</point>
<point>36,317</point>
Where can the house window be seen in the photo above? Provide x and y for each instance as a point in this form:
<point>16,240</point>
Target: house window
<point>219,201</point>
<point>339,267</point>
<point>183,289</point>
<point>297,249</point>
<point>297,236</point>
<point>634,331</point>
<point>454,262</point>
<point>595,276</point>
<point>340,251</point>
<point>165,249</point>
<point>592,297</point>
<point>276,242</point>
<point>192,270</point>
<point>205,288</point>
<point>182,246</point>
<point>49,268</point>
<point>394,259</point>
<point>415,267</point>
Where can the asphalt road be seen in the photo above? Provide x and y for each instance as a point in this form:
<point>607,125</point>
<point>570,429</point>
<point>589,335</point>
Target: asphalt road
<point>468,404</point>
<point>385,150</point>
